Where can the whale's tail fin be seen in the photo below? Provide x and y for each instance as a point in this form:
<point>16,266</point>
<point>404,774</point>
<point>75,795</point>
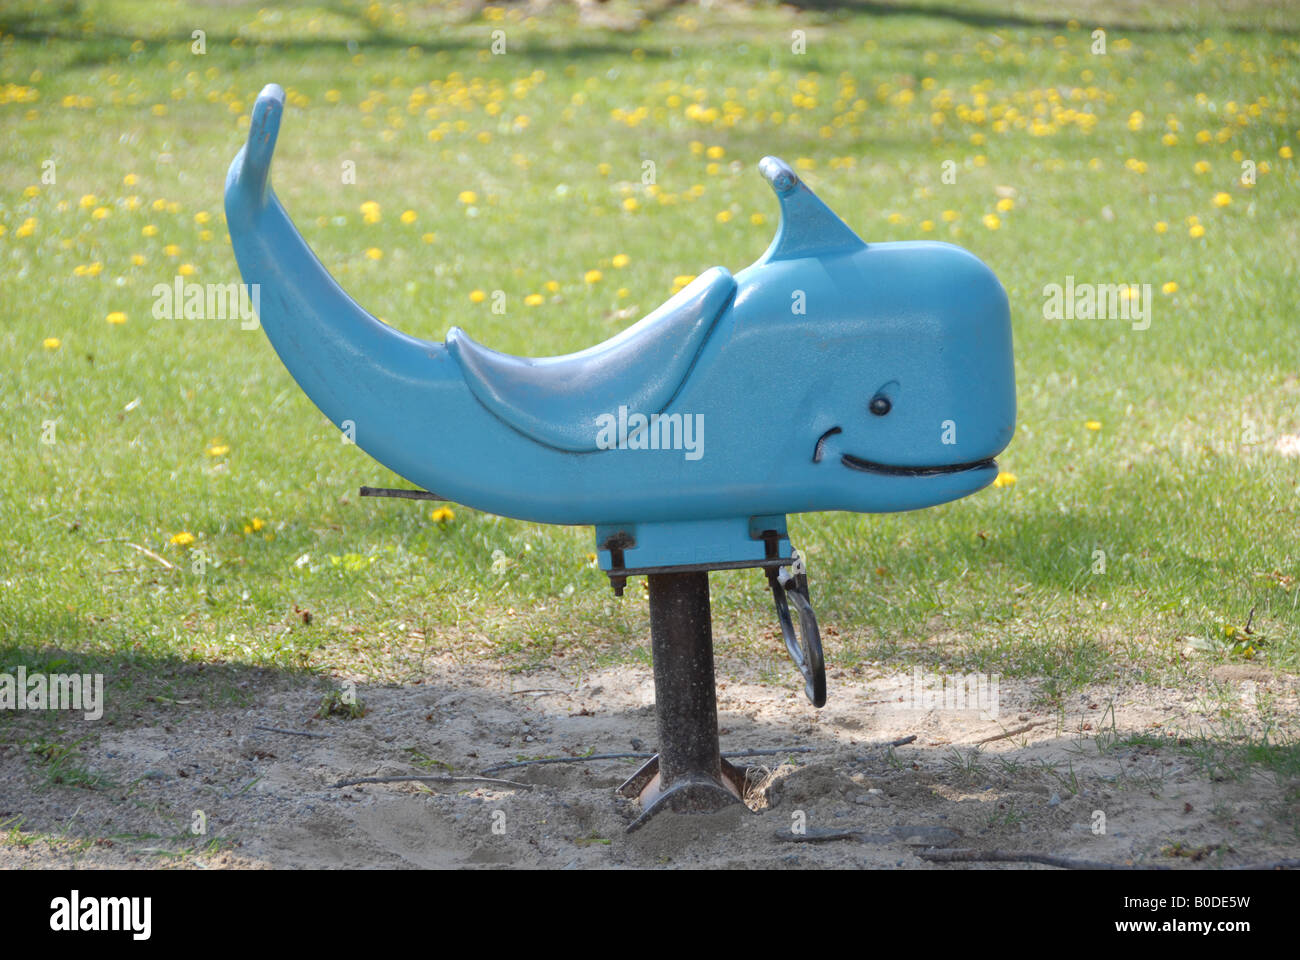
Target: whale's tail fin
<point>374,382</point>
<point>249,176</point>
<point>808,227</point>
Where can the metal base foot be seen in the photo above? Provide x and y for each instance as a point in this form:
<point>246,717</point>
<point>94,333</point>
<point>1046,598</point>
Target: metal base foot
<point>688,775</point>
<point>687,794</point>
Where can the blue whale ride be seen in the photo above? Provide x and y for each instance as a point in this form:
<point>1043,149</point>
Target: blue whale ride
<point>830,375</point>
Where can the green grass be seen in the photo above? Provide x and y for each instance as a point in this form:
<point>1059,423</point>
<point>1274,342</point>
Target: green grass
<point>172,426</point>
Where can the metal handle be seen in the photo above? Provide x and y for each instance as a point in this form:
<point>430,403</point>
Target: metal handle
<point>805,644</point>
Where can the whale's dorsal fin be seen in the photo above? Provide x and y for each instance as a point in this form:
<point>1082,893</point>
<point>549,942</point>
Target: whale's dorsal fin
<point>808,227</point>
<point>558,400</point>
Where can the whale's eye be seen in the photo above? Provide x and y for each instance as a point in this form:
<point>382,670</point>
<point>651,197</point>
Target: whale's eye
<point>880,405</point>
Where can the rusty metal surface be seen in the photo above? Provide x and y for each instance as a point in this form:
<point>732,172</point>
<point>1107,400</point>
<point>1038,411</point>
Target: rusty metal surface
<point>399,494</point>
<point>688,775</point>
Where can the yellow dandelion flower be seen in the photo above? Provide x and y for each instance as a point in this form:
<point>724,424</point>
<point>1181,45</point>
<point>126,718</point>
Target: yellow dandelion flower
<point>1161,226</point>
<point>992,221</point>
<point>715,153</point>
<point>183,539</point>
<point>186,270</point>
<point>757,219</point>
<point>1222,199</point>
<point>1006,204</point>
<point>723,216</point>
<point>116,317</point>
<point>1005,479</point>
<point>374,253</point>
<point>467,197</point>
<point>99,213</point>
<point>149,230</point>
<point>1093,425</point>
<point>87,201</point>
<point>592,276</point>
<point>949,216</point>
<point>27,228</point>
<point>621,260</point>
<point>52,343</point>
<point>408,216</point>
<point>477,296</point>
<point>630,204</point>
<point>1284,152</point>
<point>623,293</point>
<point>130,180</point>
<point>429,237</point>
<point>1169,288</point>
<point>172,250</point>
<point>443,515</point>
<point>218,450</point>
<point>202,218</point>
<point>137,260</point>
<point>256,524</point>
<point>534,300</point>
<point>1196,231</point>
<point>927,225</point>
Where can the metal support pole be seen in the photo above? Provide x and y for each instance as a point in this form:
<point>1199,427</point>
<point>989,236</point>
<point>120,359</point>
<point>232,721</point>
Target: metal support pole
<point>688,775</point>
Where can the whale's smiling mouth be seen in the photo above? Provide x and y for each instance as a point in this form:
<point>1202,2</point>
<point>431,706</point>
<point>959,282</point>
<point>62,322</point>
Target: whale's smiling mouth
<point>890,470</point>
<point>870,466</point>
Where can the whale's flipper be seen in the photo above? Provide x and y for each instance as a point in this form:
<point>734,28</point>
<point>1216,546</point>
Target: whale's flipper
<point>808,227</point>
<point>557,400</point>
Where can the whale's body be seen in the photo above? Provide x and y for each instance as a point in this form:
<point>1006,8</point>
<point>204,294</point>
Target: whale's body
<point>829,375</point>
